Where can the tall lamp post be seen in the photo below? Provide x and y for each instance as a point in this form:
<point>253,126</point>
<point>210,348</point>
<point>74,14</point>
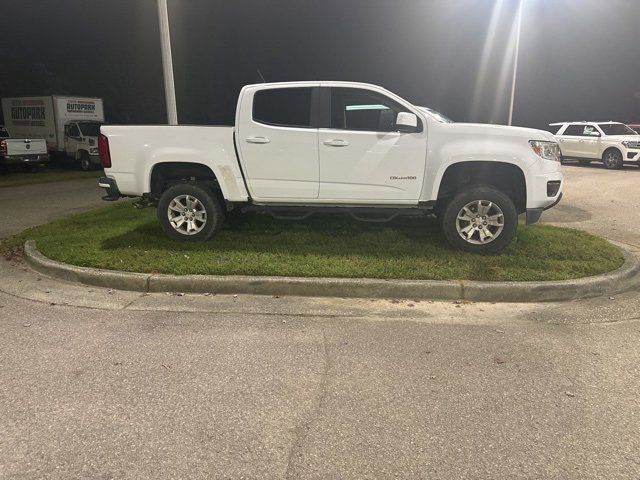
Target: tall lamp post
<point>167,63</point>
<point>515,62</point>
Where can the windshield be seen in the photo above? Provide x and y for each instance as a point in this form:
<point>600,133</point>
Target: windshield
<point>89,129</point>
<point>616,129</point>
<point>437,115</point>
<point>4,133</point>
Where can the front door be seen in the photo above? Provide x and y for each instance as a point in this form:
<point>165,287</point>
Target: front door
<point>590,145</point>
<point>72,138</point>
<point>278,144</point>
<point>363,156</point>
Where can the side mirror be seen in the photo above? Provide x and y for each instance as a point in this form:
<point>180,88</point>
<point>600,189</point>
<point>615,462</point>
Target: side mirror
<point>407,122</point>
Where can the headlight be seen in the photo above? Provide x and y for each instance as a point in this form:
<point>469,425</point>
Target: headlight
<point>92,141</point>
<point>546,150</point>
<point>629,144</point>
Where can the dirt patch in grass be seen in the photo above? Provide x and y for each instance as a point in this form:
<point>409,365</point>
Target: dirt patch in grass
<point>123,238</point>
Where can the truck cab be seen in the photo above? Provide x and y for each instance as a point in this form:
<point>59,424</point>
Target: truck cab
<point>81,143</point>
<point>300,148</point>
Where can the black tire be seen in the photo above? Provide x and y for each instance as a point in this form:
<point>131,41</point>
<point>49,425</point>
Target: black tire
<point>212,206</point>
<point>490,198</point>
<point>612,159</point>
<point>85,162</point>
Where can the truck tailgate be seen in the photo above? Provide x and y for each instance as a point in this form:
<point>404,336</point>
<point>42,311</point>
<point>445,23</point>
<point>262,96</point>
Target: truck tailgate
<point>25,146</point>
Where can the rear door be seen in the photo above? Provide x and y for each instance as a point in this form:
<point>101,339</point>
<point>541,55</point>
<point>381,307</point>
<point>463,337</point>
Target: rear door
<point>363,156</point>
<point>570,141</point>
<point>277,139</point>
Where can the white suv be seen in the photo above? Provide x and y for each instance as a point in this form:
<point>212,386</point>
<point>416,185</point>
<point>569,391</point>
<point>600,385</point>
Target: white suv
<point>610,142</point>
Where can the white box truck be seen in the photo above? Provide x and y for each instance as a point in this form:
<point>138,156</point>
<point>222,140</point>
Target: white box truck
<point>70,125</point>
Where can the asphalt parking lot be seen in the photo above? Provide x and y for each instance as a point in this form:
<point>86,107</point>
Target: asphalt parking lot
<point>108,384</point>
<point>30,205</point>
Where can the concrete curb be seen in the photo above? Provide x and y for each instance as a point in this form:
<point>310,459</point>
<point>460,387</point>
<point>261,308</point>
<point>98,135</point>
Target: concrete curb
<point>625,278</point>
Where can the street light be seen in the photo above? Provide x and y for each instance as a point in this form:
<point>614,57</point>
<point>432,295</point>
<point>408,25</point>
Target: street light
<point>167,63</point>
<point>515,62</point>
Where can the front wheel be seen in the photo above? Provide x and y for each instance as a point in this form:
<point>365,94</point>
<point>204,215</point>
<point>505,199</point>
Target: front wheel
<point>85,163</point>
<point>480,220</point>
<point>190,213</point>
<point>612,159</point>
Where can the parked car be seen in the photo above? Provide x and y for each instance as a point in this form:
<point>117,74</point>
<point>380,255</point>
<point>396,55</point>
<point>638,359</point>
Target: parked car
<point>70,125</point>
<point>612,143</point>
<point>635,127</point>
<point>22,151</point>
<point>304,147</point>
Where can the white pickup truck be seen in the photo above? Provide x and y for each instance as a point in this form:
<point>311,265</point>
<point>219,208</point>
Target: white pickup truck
<point>336,147</point>
<point>28,152</point>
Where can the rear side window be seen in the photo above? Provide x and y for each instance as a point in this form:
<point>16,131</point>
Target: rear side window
<point>283,107</point>
<point>576,130</point>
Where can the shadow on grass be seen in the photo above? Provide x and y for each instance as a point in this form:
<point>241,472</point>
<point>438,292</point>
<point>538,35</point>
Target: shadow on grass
<point>318,235</point>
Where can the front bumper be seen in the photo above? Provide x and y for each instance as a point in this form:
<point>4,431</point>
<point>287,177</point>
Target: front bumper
<point>633,155</point>
<point>95,158</point>
<point>111,187</point>
<point>24,159</point>
<point>534,214</point>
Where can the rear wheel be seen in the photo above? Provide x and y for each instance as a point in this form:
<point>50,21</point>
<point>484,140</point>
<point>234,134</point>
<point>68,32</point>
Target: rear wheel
<point>612,159</point>
<point>190,213</point>
<point>480,220</point>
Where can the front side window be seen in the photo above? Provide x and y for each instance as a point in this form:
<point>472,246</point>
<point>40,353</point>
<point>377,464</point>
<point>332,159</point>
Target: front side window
<point>283,107</point>
<point>73,130</point>
<point>363,110</point>
<point>90,129</point>
<point>590,131</point>
<point>616,129</point>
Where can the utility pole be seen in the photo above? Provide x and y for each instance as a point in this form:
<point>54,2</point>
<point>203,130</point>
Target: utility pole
<point>167,63</point>
<point>515,61</point>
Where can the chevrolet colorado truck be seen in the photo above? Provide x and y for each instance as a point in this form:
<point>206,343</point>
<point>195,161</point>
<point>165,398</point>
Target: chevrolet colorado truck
<point>300,148</point>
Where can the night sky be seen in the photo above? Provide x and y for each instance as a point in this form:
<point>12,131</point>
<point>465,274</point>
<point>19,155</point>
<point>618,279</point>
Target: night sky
<point>579,58</point>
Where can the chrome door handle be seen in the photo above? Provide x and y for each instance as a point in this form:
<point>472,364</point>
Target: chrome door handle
<point>336,143</point>
<point>257,140</point>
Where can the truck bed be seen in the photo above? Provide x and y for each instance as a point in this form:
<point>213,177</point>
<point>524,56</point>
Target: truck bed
<point>137,149</point>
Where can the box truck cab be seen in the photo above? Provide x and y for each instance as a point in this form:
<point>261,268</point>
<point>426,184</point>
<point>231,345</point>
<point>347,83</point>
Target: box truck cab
<point>70,125</point>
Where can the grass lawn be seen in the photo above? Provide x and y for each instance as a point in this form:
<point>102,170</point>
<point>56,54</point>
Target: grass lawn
<point>14,178</point>
<point>123,238</point>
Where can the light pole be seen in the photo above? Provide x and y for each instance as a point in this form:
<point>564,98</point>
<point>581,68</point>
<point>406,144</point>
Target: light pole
<point>515,61</point>
<point>167,63</point>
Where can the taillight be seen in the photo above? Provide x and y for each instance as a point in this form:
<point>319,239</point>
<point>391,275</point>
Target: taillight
<point>3,147</point>
<point>103,149</point>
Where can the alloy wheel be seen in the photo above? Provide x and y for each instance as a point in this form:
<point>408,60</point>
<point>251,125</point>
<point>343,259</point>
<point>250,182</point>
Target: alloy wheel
<point>187,215</point>
<point>480,222</point>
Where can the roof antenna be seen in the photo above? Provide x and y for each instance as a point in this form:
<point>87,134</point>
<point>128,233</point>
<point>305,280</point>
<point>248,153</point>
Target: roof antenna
<point>261,76</point>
